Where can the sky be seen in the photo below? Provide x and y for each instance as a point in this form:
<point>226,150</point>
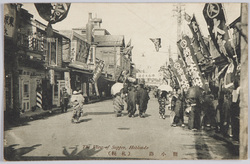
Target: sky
<point>139,22</point>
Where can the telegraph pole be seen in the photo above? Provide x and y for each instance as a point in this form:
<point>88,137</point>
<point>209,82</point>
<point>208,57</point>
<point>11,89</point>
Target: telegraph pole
<point>177,12</point>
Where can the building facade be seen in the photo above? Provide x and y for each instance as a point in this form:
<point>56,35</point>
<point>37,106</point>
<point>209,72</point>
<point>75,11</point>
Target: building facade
<point>38,64</point>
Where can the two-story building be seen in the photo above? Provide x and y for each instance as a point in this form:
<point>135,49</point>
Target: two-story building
<point>39,64</point>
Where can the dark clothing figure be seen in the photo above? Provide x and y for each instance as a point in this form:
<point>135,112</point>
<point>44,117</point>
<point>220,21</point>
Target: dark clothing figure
<point>132,99</point>
<point>64,101</point>
<point>177,107</point>
<point>226,111</point>
<point>208,111</point>
<point>142,100</point>
<point>194,118</point>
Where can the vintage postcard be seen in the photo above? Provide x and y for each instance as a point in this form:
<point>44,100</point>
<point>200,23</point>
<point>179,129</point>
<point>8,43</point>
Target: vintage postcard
<point>125,81</point>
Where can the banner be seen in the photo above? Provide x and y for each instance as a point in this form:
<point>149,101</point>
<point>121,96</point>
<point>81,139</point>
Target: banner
<point>216,22</point>
<point>67,82</point>
<point>9,19</point>
<point>187,53</point>
<point>52,76</point>
<point>53,12</point>
<point>157,43</point>
<point>199,45</point>
<point>127,50</point>
<point>98,70</point>
<point>181,74</point>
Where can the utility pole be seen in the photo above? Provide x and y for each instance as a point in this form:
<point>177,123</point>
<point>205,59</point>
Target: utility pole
<point>177,11</point>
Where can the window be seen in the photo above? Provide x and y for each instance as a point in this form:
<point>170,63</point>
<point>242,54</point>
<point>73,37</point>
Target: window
<point>52,51</point>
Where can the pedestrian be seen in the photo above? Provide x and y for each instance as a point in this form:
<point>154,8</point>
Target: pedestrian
<point>77,100</point>
<point>162,100</point>
<point>132,99</point>
<point>64,99</point>
<point>195,98</point>
<point>208,112</point>
<point>118,104</point>
<point>226,110</point>
<point>177,107</point>
<point>235,110</point>
<point>142,99</point>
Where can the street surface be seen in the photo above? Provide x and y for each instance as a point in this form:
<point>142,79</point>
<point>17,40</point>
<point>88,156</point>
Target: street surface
<point>101,135</point>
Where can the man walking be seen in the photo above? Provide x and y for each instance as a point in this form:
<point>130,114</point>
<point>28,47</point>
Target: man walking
<point>142,99</point>
<point>64,100</point>
<point>132,99</point>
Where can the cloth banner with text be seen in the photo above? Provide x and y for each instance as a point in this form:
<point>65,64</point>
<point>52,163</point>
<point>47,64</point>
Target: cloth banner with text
<point>98,70</point>
<point>199,45</point>
<point>218,30</point>
<point>187,53</point>
<point>180,73</point>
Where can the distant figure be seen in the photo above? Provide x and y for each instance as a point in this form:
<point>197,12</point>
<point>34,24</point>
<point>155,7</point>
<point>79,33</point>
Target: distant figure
<point>162,100</point>
<point>64,100</point>
<point>142,100</point>
<point>77,100</point>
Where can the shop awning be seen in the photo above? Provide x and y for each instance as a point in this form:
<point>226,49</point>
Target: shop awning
<point>81,71</point>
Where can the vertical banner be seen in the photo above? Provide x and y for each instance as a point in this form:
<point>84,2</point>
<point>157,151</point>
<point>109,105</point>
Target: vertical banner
<point>199,45</point>
<point>216,22</point>
<point>98,70</point>
<point>187,53</point>
<point>67,82</point>
<point>9,19</point>
<point>181,74</point>
<point>52,76</point>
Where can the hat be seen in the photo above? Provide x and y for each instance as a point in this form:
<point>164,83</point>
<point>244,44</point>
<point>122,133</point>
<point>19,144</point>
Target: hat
<point>75,92</point>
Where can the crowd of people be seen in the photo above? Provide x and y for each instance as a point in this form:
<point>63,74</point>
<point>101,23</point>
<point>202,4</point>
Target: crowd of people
<point>212,109</point>
<point>206,110</point>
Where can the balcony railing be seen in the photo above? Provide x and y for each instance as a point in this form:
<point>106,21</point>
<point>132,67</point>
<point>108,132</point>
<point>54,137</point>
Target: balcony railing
<point>31,42</point>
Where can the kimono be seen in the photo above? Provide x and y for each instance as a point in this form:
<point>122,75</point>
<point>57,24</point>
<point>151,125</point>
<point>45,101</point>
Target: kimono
<point>118,105</point>
<point>142,100</point>
<point>132,99</point>
<point>77,100</point>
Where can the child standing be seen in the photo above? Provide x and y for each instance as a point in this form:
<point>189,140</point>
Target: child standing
<point>118,104</point>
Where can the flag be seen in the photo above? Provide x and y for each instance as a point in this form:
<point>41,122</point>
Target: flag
<point>187,17</point>
<point>53,12</point>
<point>127,50</point>
<point>157,43</point>
<point>98,70</point>
<point>129,43</point>
<point>188,56</point>
<point>216,22</point>
<point>199,45</point>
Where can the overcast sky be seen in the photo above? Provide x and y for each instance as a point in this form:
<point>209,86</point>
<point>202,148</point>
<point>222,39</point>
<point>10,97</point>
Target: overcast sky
<point>139,22</point>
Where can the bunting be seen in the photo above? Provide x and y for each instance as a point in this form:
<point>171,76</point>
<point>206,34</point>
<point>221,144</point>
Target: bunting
<point>188,56</point>
<point>216,22</point>
<point>157,43</point>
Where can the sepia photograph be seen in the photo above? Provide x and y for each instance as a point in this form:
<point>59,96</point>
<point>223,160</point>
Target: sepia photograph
<point>124,81</point>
